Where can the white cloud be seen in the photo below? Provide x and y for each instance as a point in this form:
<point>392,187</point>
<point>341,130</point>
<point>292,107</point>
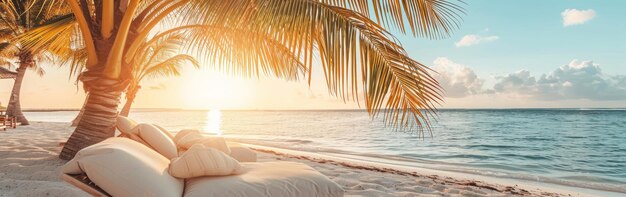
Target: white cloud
<point>576,80</point>
<point>577,17</point>
<point>457,80</point>
<point>520,82</point>
<point>472,39</point>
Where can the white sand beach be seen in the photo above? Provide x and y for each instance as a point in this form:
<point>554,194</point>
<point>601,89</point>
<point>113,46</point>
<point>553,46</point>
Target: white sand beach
<point>29,167</point>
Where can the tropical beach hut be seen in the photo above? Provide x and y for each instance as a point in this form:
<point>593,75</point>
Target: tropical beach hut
<point>7,74</point>
<point>4,120</point>
<point>2,127</point>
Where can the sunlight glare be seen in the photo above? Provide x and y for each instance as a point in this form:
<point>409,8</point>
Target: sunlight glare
<point>209,90</point>
<point>213,122</point>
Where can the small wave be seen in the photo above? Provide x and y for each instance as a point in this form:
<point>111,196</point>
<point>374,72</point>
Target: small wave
<point>299,141</point>
<point>527,157</point>
<point>592,179</point>
<point>488,146</point>
<point>576,137</point>
<point>538,139</point>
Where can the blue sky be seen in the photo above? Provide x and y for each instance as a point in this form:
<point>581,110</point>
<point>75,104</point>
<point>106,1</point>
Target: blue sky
<point>533,36</point>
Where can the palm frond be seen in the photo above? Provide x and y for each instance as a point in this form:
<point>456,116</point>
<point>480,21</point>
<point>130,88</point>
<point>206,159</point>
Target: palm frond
<point>55,37</point>
<point>170,67</point>
<point>245,53</point>
<point>8,50</point>
<point>161,49</point>
<point>346,42</point>
<point>251,37</point>
<point>427,18</point>
<point>7,63</point>
<point>237,51</point>
<point>38,69</point>
<point>20,17</point>
<point>60,38</point>
<point>6,34</point>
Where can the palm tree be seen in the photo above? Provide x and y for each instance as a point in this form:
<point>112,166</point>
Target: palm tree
<point>17,18</point>
<point>260,37</point>
<point>157,59</point>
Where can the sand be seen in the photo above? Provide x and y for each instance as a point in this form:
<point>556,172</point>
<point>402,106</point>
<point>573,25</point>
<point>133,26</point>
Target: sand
<point>29,167</point>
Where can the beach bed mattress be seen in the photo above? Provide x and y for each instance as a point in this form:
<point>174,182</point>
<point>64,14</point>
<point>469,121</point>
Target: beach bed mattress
<point>276,179</point>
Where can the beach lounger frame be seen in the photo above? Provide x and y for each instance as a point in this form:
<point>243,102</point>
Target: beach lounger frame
<point>83,182</point>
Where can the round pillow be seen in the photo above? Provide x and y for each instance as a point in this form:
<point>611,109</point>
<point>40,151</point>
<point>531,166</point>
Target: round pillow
<point>200,160</point>
<point>125,124</point>
<point>158,140</point>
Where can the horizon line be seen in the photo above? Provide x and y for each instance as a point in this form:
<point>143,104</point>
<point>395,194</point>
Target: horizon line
<point>327,109</point>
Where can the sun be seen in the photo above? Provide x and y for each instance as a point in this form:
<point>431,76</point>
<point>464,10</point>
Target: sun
<point>210,90</point>
<point>205,88</point>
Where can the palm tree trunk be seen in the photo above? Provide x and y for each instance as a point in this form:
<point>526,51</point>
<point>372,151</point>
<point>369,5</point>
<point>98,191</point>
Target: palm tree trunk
<point>98,120</point>
<point>99,117</point>
<point>14,108</point>
<point>80,114</point>
<point>130,97</point>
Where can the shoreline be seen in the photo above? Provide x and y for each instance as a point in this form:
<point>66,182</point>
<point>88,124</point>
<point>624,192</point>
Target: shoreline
<point>504,185</point>
<point>30,167</point>
<point>546,183</point>
<point>434,178</point>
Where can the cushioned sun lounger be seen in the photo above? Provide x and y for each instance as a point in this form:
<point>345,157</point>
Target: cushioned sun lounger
<point>122,167</point>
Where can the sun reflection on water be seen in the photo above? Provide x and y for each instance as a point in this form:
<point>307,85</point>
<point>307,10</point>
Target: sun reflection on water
<point>213,122</point>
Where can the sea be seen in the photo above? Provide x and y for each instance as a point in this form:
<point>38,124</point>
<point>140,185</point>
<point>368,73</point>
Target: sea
<point>583,148</point>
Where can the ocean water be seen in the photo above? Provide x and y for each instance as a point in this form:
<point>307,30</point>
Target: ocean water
<point>575,147</point>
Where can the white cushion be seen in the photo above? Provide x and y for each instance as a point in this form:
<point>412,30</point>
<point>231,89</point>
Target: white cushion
<point>136,137</point>
<point>123,167</point>
<point>188,140</point>
<point>157,140</point>
<point>182,133</point>
<point>125,125</point>
<point>241,153</point>
<point>276,179</point>
<point>170,135</point>
<point>216,142</point>
<point>203,161</point>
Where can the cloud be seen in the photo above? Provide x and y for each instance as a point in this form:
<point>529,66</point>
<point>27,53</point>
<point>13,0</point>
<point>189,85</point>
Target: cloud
<point>161,86</point>
<point>577,17</point>
<point>457,80</point>
<point>576,80</point>
<point>472,39</point>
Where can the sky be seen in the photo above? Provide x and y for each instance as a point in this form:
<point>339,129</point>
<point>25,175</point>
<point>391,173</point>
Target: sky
<point>506,54</point>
